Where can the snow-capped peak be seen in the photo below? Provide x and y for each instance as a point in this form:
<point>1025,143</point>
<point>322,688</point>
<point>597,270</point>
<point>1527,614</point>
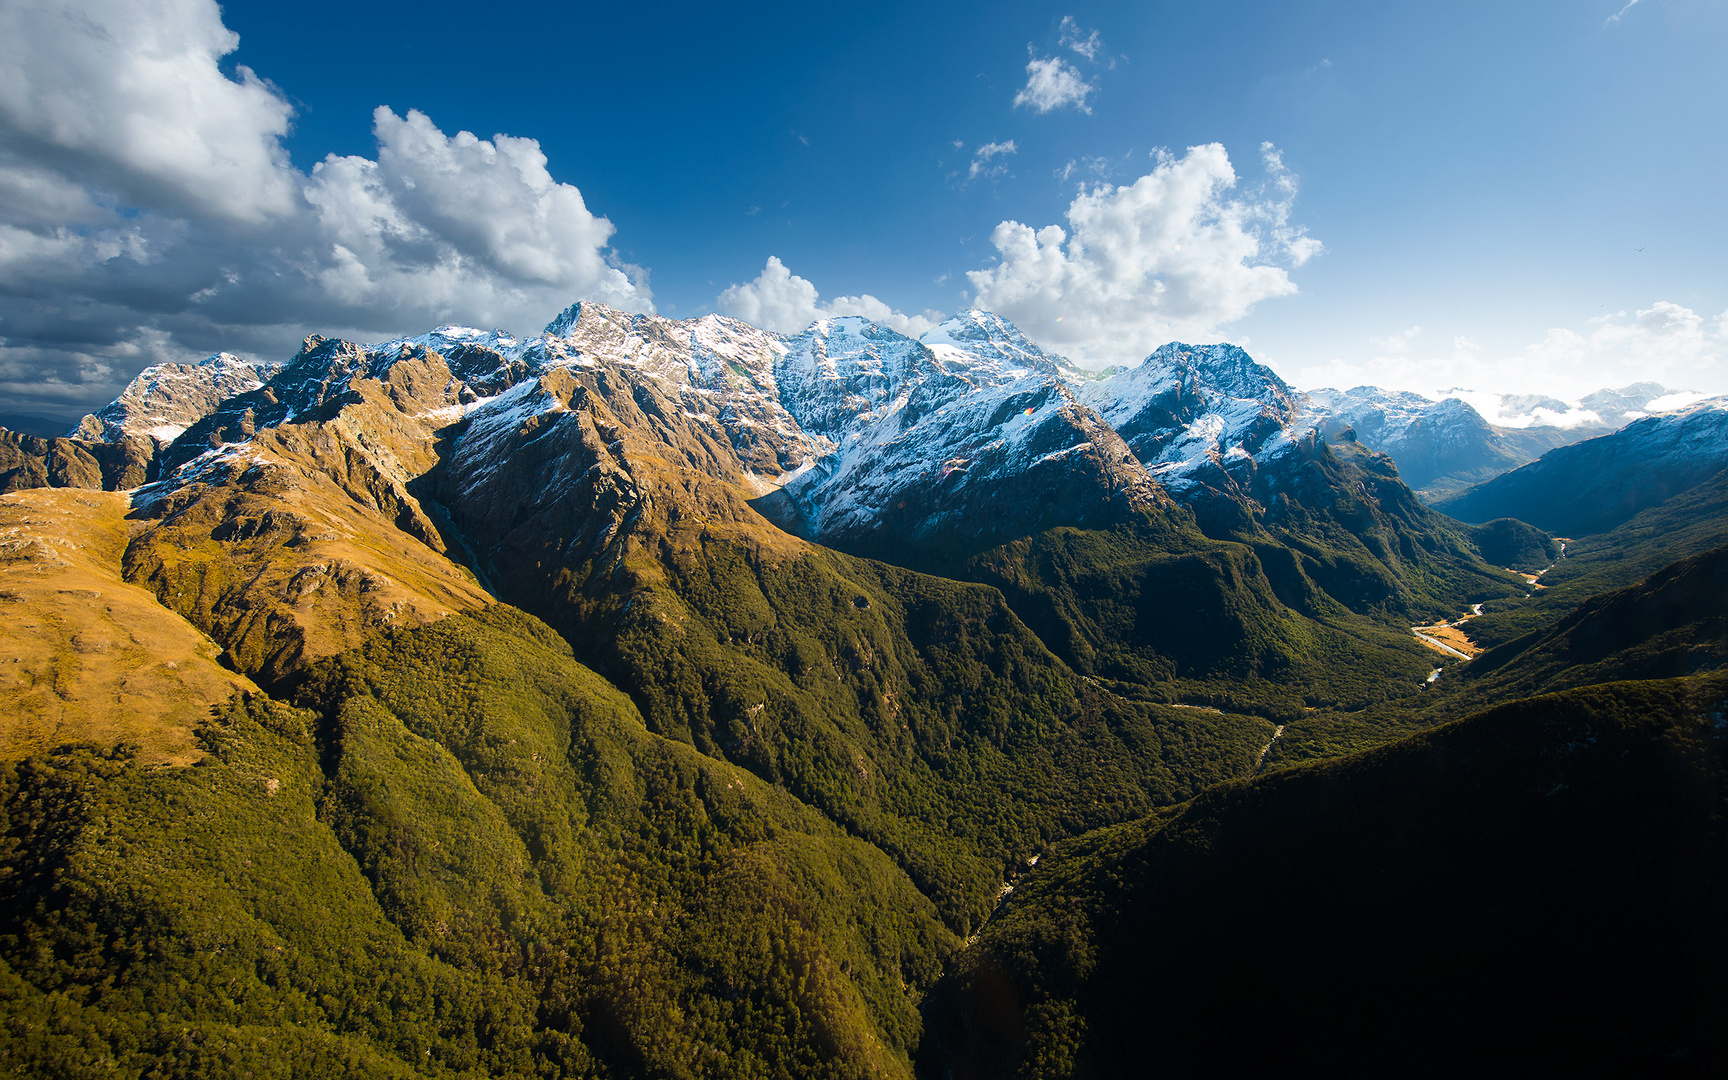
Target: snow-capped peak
<point>1186,408</point>
<point>991,345</point>
<point>564,321</point>
<point>445,339</point>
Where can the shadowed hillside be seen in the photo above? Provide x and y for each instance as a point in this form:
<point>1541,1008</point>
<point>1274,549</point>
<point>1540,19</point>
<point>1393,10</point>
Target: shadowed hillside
<point>1593,486</point>
<point>1534,889</point>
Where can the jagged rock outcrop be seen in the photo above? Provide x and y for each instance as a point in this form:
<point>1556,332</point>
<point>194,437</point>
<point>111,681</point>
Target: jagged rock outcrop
<point>1223,434</point>
<point>320,371</point>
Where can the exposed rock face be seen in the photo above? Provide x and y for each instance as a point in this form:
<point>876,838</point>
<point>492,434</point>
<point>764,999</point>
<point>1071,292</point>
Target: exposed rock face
<point>322,378</point>
<point>319,372</point>
<point>983,340</point>
<point>985,337</point>
<point>719,373</point>
<point>165,400</point>
<point>1190,411</point>
<point>1204,418</point>
<point>849,433</point>
<point>575,470</point>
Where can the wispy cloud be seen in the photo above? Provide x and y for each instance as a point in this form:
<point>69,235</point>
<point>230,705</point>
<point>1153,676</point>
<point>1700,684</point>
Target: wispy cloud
<point>1099,168</point>
<point>1398,343</point>
<point>990,159</point>
<point>1085,42</point>
<point>1614,18</point>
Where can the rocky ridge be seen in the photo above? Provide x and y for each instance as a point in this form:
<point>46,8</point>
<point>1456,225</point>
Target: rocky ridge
<point>27,461</point>
<point>970,439</point>
<point>166,399</point>
<point>543,453</point>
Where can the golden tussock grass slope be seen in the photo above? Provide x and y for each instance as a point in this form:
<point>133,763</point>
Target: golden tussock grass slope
<point>301,546</point>
<point>83,654</point>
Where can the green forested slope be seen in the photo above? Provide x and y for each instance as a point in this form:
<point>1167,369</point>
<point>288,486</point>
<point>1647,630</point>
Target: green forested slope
<point>1536,889</point>
<point>918,712</point>
<point>1298,596</point>
<point>465,856</point>
<point>1673,623</point>
<point>1202,625</point>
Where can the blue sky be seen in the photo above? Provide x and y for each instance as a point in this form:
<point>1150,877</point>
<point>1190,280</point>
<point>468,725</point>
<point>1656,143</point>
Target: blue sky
<point>1509,197</point>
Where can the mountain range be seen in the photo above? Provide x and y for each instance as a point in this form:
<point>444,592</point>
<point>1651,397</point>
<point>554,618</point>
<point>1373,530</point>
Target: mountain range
<point>672,697</point>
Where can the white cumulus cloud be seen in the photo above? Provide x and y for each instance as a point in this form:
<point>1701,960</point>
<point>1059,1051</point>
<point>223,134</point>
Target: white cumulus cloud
<point>149,212</point>
<point>459,224</point>
<point>127,94</point>
<point>1174,254</point>
<point>1052,84</point>
<point>781,301</point>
